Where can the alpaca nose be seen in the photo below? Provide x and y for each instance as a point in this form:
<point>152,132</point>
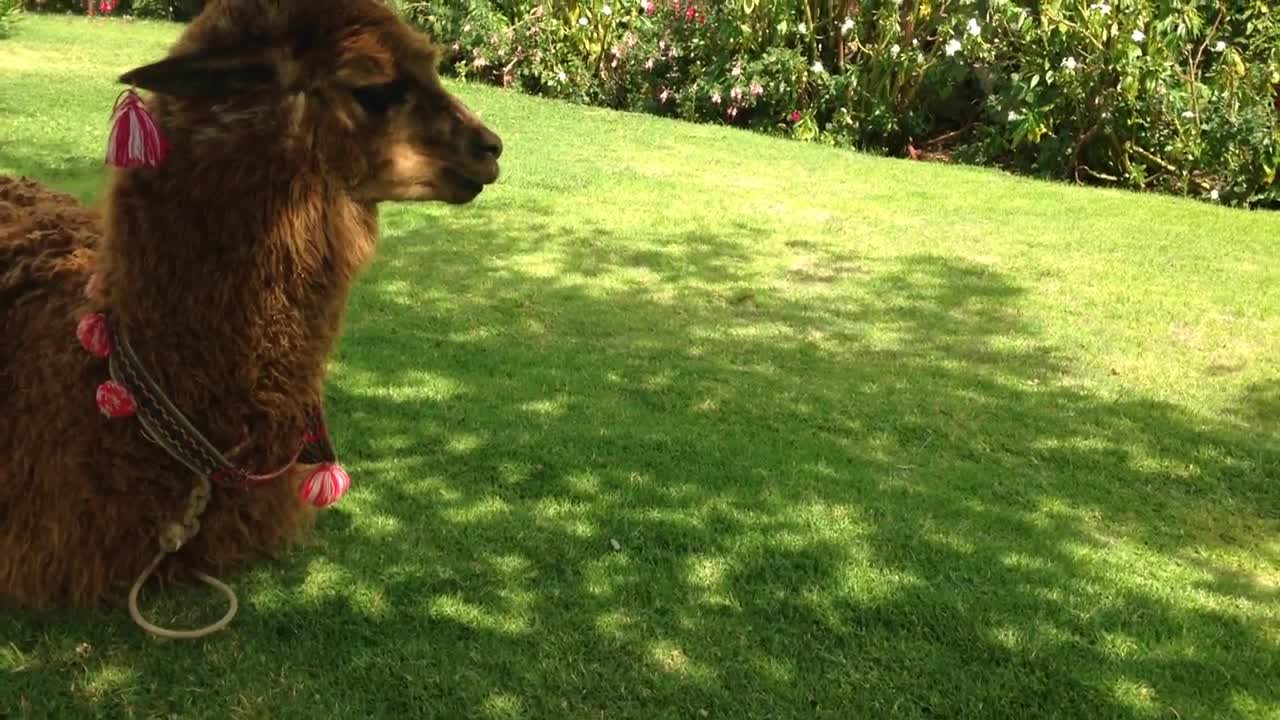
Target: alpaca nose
<point>486,144</point>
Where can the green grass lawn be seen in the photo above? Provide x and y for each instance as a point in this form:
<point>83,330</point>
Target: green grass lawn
<point>685,422</point>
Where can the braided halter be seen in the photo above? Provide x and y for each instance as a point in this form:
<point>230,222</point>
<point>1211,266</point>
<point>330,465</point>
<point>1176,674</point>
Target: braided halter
<point>131,392</point>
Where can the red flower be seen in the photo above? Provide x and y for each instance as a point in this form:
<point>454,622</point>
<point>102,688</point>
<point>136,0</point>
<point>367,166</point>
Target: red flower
<point>106,6</point>
<point>795,116</point>
<point>690,13</point>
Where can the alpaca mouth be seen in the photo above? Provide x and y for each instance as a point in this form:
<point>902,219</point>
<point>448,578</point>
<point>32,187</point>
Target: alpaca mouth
<point>467,184</point>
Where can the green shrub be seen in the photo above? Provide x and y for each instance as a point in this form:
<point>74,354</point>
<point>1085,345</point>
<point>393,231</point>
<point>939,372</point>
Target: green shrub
<point>180,10</point>
<point>9,12</point>
<point>56,6</point>
<point>1171,95</point>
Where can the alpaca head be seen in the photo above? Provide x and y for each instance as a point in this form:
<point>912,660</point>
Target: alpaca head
<point>347,87</point>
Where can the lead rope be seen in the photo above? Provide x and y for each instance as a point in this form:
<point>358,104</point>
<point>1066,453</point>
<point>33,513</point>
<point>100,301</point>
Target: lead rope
<point>172,538</point>
<point>166,426</point>
<point>174,535</point>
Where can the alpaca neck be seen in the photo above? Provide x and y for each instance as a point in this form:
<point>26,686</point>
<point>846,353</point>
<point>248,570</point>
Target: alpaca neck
<point>237,294</point>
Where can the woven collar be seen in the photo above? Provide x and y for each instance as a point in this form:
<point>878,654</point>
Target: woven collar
<point>166,426</point>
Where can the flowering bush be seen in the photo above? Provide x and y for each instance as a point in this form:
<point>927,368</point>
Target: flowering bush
<point>1175,95</point>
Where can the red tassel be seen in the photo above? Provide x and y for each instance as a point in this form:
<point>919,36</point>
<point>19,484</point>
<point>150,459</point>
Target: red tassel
<point>325,486</point>
<point>135,141</point>
<point>115,401</point>
<point>94,335</point>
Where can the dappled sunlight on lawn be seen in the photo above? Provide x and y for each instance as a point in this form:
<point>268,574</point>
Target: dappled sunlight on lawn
<point>695,484</point>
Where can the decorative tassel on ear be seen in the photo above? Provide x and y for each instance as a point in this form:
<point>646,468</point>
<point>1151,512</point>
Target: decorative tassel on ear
<point>135,141</point>
<point>325,486</point>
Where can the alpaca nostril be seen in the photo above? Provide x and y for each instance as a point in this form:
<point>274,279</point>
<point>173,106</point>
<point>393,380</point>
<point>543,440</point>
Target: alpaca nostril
<point>488,143</point>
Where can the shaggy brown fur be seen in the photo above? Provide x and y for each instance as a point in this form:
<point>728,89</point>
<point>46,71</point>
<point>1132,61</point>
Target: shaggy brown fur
<point>230,265</point>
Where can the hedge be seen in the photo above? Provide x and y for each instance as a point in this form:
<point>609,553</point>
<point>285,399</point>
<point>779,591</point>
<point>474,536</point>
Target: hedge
<point>1177,96</point>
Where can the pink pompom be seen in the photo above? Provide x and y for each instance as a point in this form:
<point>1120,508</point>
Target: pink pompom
<point>135,140</point>
<point>115,400</point>
<point>94,335</point>
<point>325,486</point>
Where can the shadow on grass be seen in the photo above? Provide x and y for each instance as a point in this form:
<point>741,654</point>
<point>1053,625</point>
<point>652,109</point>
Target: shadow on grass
<point>608,479</point>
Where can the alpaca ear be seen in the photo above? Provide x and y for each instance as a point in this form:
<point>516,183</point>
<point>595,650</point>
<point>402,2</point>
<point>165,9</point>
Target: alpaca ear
<point>204,75</point>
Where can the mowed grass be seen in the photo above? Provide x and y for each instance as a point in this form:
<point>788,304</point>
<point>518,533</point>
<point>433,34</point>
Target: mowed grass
<point>682,422</point>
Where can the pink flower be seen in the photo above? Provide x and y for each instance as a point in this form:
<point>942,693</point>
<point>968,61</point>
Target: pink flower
<point>736,94</point>
<point>795,116</point>
<point>664,95</point>
<point>715,98</point>
<point>756,90</point>
<point>648,64</point>
<point>732,112</point>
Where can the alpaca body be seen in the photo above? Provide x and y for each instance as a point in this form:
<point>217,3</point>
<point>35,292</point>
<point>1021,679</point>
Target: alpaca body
<point>83,497</point>
<point>228,265</point>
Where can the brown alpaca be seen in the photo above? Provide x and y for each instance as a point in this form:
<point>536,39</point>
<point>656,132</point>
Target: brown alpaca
<point>230,265</point>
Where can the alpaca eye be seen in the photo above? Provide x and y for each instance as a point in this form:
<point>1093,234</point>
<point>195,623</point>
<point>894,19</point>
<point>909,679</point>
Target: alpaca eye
<point>378,99</point>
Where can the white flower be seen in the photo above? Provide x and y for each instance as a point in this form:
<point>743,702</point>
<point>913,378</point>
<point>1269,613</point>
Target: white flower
<point>1101,7</point>
<point>802,29</point>
<point>562,77</point>
<point>583,21</point>
<point>606,10</point>
<point>1220,47</point>
<point>1013,116</point>
<point>1138,36</point>
<point>893,51</point>
<point>1070,64</point>
<point>645,5</point>
<point>846,26</point>
<point>1187,115</point>
<point>817,67</point>
<point>974,27</point>
<point>952,47</point>
<point>1214,195</point>
<point>737,70</point>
